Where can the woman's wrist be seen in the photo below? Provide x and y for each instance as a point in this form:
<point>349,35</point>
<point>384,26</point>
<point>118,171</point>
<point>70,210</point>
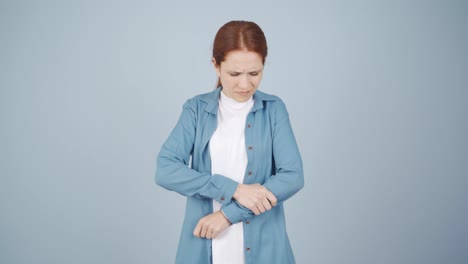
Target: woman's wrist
<point>225,217</point>
<point>236,192</point>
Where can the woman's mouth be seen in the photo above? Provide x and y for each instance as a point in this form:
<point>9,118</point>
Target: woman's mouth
<point>244,93</point>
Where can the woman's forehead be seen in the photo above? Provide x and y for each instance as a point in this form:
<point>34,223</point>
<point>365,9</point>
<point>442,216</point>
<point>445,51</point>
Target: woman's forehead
<point>242,60</point>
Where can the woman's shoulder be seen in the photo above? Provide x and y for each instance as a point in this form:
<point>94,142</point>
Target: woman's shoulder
<point>263,96</point>
<point>209,99</point>
<point>271,101</point>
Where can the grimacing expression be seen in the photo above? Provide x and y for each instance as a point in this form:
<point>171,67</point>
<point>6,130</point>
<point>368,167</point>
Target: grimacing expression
<point>240,74</point>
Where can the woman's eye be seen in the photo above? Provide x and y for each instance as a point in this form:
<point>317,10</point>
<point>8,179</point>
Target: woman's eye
<point>234,74</point>
<point>254,73</point>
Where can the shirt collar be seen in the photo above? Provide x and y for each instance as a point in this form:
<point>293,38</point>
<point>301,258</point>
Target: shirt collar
<point>211,99</point>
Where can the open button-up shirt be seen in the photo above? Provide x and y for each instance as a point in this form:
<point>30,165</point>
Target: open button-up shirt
<point>273,161</point>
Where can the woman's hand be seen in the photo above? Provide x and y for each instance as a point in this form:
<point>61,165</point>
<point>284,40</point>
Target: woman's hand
<point>255,197</point>
<point>211,225</point>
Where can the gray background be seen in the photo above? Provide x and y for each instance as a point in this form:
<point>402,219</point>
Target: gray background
<point>376,90</point>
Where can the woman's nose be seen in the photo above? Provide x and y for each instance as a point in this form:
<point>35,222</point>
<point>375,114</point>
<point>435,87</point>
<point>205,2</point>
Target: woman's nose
<point>244,82</point>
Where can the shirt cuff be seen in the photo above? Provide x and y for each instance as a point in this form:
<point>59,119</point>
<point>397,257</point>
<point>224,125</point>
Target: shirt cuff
<point>232,213</point>
<point>227,188</point>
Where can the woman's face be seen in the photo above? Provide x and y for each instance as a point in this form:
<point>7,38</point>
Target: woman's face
<point>240,74</point>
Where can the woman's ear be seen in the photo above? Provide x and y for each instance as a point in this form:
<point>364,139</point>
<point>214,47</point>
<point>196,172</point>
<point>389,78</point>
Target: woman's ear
<point>216,66</point>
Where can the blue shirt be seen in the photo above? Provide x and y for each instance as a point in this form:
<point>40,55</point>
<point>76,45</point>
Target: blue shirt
<point>273,161</point>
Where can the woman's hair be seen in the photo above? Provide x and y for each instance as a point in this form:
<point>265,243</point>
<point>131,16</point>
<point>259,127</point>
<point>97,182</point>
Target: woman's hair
<point>239,35</point>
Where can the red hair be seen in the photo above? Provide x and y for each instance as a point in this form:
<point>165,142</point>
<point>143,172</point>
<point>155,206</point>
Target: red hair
<point>239,35</point>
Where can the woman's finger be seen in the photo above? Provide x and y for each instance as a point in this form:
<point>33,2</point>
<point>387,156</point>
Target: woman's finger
<point>203,231</point>
<point>272,198</point>
<point>209,234</point>
<point>196,231</point>
<point>266,204</point>
<point>255,210</point>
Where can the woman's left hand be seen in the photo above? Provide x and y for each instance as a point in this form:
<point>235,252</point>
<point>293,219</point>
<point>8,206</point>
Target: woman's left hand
<point>211,225</point>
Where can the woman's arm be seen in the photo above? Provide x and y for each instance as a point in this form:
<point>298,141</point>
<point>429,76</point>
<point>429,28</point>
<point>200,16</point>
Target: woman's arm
<point>288,178</point>
<point>173,172</point>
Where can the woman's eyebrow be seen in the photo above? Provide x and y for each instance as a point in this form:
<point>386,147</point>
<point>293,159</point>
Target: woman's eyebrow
<point>233,71</point>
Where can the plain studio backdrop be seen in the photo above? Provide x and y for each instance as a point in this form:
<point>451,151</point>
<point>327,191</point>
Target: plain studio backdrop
<point>377,93</point>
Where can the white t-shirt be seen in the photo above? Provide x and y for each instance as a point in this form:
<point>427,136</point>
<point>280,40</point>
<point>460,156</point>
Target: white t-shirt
<point>229,158</point>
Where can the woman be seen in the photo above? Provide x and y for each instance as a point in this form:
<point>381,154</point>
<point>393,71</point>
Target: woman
<point>245,160</point>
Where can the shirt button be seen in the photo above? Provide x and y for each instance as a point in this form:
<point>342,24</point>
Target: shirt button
<point>222,198</point>
<point>248,125</point>
<point>247,222</point>
<point>248,249</point>
<point>250,173</point>
<point>250,147</point>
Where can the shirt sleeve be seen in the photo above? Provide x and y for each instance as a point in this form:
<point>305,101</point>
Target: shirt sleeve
<point>172,171</point>
<point>289,177</point>
<point>236,212</point>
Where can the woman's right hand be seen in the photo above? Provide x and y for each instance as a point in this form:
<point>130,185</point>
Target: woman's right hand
<point>255,197</point>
